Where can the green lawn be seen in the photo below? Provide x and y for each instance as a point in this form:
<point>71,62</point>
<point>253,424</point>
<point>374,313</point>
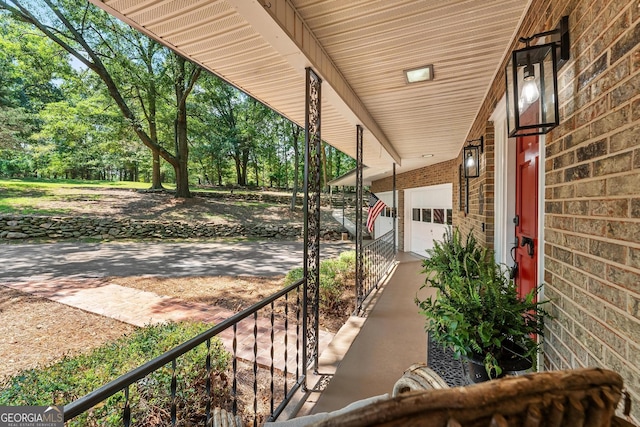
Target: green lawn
<point>74,377</point>
<point>40,184</point>
<point>26,196</point>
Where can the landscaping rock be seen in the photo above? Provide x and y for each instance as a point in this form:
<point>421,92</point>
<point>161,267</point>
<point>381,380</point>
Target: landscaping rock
<point>16,235</point>
<point>24,227</point>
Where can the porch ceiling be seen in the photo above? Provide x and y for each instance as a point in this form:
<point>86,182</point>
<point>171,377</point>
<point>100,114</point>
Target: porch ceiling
<point>360,49</point>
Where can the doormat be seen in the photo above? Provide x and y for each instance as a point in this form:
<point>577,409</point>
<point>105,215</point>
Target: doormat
<point>442,361</point>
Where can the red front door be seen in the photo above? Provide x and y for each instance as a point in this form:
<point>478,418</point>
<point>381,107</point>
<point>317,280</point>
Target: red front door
<point>527,213</point>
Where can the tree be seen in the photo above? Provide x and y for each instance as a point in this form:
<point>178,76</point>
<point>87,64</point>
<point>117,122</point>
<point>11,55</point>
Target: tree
<point>86,34</point>
<point>295,137</point>
<point>31,69</point>
<point>145,84</point>
<point>236,116</point>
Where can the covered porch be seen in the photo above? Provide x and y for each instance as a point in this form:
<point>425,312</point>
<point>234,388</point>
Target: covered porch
<point>342,70</point>
<point>363,360</point>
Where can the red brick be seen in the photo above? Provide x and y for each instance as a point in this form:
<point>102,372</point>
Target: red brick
<point>611,294</point>
<point>611,121</point>
<point>625,139</point>
<point>591,151</point>
<point>628,42</point>
<point>625,278</point>
<point>590,188</point>
<point>623,185</point>
<point>625,91</point>
<point>616,208</point>
<point>588,75</point>
<point>613,164</point>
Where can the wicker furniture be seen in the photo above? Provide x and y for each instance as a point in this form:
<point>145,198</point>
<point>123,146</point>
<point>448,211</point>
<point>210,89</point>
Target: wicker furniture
<point>573,398</point>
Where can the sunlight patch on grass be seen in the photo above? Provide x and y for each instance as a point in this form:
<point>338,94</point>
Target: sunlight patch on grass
<point>28,205</point>
<point>251,204</point>
<point>45,183</point>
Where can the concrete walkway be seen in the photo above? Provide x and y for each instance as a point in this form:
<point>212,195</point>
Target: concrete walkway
<point>382,346</point>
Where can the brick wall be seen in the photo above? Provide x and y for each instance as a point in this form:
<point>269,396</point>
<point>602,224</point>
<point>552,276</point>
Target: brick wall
<point>592,188</point>
<point>592,191</point>
<point>480,217</point>
<point>440,173</point>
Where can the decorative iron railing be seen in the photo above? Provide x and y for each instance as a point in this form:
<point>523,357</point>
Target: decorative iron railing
<point>270,342</point>
<point>378,258</point>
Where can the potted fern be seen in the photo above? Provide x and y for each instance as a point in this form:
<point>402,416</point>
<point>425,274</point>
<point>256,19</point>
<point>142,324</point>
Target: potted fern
<point>477,311</point>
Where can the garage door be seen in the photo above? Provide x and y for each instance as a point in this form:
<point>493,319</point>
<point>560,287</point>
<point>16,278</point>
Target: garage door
<point>428,214</point>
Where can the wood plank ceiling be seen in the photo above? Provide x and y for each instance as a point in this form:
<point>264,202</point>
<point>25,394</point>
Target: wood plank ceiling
<point>360,49</point>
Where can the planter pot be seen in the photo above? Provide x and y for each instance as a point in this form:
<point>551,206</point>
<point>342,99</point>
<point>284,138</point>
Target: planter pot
<point>476,372</point>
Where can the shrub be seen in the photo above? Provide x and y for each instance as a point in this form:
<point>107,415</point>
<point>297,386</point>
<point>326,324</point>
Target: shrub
<point>150,397</point>
<point>335,276</point>
<point>477,311</point>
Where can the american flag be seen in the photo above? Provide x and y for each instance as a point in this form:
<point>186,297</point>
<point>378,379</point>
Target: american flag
<point>375,207</point>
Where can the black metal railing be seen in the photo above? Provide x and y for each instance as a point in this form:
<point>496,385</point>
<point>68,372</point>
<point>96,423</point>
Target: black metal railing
<point>378,258</point>
<point>273,334</point>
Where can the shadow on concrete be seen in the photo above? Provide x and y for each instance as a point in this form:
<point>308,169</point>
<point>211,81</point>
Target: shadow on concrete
<point>96,260</point>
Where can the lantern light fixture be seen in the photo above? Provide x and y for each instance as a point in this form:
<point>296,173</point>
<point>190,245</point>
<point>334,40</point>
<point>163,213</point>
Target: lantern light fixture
<point>471,157</point>
<point>532,82</point>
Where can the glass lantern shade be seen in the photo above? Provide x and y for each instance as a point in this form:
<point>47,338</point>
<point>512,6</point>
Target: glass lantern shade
<point>532,90</point>
<point>471,161</point>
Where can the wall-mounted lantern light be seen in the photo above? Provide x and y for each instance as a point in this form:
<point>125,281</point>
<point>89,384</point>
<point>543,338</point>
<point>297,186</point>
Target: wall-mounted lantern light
<point>471,157</point>
<point>532,82</point>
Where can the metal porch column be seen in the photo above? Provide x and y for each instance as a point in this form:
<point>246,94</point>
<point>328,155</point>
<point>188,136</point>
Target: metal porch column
<point>359,253</point>
<point>394,213</point>
<point>310,319</point>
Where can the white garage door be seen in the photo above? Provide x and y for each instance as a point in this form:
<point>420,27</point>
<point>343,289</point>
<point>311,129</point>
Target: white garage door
<point>428,214</point>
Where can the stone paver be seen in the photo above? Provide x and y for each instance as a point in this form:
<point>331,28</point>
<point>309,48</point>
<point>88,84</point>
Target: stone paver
<point>142,308</point>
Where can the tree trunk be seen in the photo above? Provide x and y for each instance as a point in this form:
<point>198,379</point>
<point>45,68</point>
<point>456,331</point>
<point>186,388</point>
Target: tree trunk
<point>256,170</point>
<point>182,153</point>
<point>182,88</point>
<point>241,179</point>
<point>152,96</point>
<point>323,159</point>
<point>295,134</point>
<point>156,179</point>
<point>180,127</point>
<point>244,164</point>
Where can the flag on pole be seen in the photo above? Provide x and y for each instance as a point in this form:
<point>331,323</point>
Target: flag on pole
<point>375,207</point>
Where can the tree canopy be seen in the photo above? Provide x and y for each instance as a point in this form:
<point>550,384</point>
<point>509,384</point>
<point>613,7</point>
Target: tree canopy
<point>83,95</point>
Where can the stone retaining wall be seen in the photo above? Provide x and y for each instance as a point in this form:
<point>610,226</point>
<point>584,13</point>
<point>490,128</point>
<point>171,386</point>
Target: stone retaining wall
<point>16,227</point>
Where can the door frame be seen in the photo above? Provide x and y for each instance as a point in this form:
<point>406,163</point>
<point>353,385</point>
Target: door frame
<point>505,186</point>
<point>505,193</point>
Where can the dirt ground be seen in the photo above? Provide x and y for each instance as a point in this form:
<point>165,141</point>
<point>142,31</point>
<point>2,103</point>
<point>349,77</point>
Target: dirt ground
<point>38,332</point>
<point>163,206</point>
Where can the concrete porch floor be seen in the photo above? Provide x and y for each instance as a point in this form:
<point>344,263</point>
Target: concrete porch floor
<point>368,355</point>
